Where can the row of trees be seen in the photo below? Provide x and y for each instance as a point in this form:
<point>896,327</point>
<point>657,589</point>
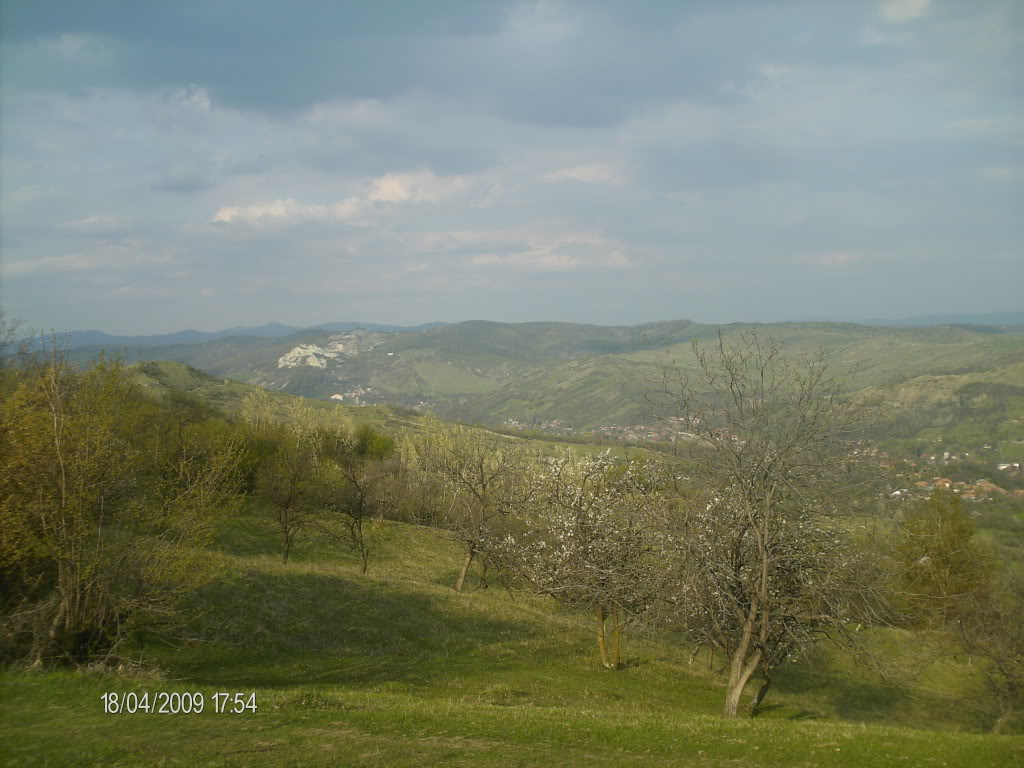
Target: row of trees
<point>742,542</point>
<point>109,498</point>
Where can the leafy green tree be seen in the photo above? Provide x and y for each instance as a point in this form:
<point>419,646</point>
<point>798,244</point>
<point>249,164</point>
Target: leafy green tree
<point>290,452</point>
<point>372,444</point>
<point>991,628</point>
<point>942,567</point>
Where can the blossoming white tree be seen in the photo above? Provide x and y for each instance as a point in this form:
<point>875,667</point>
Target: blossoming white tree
<point>591,539</point>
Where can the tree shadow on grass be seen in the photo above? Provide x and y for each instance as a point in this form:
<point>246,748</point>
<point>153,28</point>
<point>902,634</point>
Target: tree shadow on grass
<point>864,696</point>
<point>292,627</point>
<point>866,699</point>
<point>785,712</point>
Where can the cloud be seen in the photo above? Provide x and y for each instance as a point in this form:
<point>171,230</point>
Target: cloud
<point>391,188</point>
<point>95,225</point>
<point>898,11</point>
<point>106,255</point>
<point>836,259</point>
<point>594,173</point>
<point>558,253</point>
<point>183,184</point>
<point>281,211</point>
<point>999,172</point>
<point>418,187</point>
<point>1009,129</point>
<point>32,193</point>
<point>688,141</point>
<point>774,70</point>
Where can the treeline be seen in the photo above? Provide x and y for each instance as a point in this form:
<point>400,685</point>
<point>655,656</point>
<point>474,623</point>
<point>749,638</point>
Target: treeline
<point>752,545</point>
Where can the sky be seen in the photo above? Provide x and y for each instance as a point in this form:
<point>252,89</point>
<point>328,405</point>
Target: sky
<point>196,164</point>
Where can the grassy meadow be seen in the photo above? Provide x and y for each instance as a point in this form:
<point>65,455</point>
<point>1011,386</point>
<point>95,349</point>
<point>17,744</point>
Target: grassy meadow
<point>396,669</point>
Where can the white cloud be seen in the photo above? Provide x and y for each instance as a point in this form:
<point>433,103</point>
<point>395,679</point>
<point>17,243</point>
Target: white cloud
<point>280,211</point>
<point>106,256</point>
<point>94,225</point>
<point>558,253</point>
<point>899,11</point>
<point>594,173</point>
<point>418,187</point>
<point>31,193</point>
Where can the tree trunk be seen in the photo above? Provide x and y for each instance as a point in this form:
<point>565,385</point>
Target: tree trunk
<point>738,682</point>
<point>1003,719</point>
<point>617,627</point>
<point>740,669</point>
<point>483,572</point>
<point>287,548</point>
<point>602,645</point>
<point>761,692</point>
<point>693,655</point>
<point>465,569</point>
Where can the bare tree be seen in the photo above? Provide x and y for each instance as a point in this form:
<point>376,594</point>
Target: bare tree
<point>292,477</point>
<point>357,493</point>
<point>289,480</point>
<point>479,478</point>
<point>764,567</point>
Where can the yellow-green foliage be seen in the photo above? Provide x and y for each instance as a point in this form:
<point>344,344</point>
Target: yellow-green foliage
<point>943,568</point>
<point>104,502</point>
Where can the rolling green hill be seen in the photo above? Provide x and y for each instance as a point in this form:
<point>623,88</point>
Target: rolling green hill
<point>160,377</point>
<point>586,376</point>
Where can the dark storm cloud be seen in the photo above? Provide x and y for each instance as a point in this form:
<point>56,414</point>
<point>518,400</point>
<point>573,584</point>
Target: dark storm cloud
<point>573,63</point>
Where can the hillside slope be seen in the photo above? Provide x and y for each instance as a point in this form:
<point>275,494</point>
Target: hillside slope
<point>396,669</point>
<point>583,376</point>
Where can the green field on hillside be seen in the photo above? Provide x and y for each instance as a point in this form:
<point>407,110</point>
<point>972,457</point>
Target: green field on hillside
<point>395,669</point>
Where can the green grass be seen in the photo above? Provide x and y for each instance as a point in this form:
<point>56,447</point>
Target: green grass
<point>395,669</point>
<point>447,379</point>
<point>305,726</point>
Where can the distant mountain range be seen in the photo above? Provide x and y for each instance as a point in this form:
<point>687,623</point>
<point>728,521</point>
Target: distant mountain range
<point>76,339</point>
<point>578,376</point>
<point>991,318</point>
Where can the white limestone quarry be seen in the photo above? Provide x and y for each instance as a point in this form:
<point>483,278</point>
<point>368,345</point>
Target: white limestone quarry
<point>341,345</point>
<point>305,354</point>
